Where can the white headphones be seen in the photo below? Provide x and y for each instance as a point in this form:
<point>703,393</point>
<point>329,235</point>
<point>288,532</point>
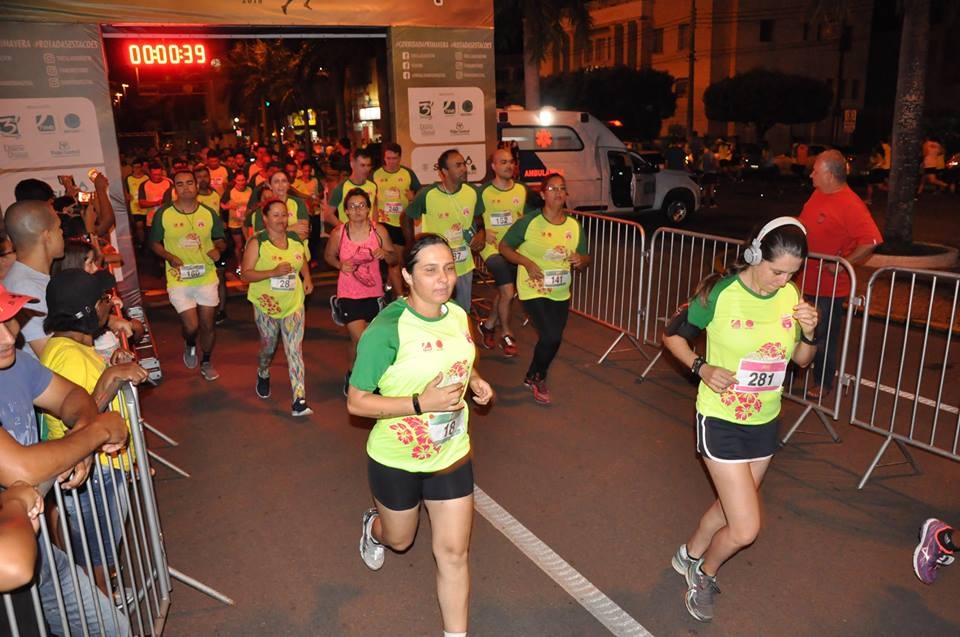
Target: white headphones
<point>753,254</point>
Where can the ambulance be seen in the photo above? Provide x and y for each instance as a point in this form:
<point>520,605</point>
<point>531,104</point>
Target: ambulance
<point>602,175</point>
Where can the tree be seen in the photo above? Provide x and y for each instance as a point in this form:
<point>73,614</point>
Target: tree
<point>542,22</point>
<point>260,74</point>
<point>907,135</point>
<point>763,98</point>
<point>639,99</point>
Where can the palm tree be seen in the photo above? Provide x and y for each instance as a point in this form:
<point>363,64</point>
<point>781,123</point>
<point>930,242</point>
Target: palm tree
<point>542,23</point>
<point>260,72</point>
<point>907,135</point>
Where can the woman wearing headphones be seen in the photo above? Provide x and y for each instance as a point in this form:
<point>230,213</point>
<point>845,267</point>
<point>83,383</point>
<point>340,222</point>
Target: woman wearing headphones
<point>756,323</point>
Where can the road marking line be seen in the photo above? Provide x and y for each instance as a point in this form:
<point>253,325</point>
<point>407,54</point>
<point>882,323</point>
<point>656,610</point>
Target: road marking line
<point>604,609</point>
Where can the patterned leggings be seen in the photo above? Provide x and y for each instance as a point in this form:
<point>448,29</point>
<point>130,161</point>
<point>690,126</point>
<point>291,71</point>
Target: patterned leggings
<point>290,328</point>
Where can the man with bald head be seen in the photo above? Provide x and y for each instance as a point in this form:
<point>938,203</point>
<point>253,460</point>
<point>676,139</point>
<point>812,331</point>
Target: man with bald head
<point>838,224</point>
<point>504,201</point>
<point>34,230</point>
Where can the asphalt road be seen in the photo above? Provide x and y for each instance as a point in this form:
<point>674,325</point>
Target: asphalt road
<point>606,478</point>
<point>746,205</point>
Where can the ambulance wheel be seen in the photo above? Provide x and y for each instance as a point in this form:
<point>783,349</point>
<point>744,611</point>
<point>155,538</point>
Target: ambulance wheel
<point>678,207</point>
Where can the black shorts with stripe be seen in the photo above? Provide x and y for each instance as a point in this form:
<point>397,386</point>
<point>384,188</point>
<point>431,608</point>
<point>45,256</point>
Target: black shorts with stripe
<point>726,441</point>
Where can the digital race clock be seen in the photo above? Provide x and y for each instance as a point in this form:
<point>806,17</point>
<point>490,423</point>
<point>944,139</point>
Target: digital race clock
<point>140,54</point>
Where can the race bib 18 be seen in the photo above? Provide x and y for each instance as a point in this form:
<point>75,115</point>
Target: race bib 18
<point>445,425</point>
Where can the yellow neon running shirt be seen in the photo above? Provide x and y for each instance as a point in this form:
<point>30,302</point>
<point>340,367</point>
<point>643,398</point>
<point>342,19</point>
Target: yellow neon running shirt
<point>241,199</point>
<point>400,352</point>
<point>296,211</point>
<point>279,296</point>
<point>501,209</point>
<point>754,337</point>
<point>550,247</point>
<point>188,236</point>
<point>341,190</point>
<point>133,188</point>
<point>392,188</point>
<point>449,215</point>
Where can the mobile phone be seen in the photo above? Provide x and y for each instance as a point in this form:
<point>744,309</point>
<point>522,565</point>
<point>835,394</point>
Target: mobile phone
<point>84,197</point>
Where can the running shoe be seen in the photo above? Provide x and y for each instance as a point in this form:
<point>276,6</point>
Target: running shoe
<point>681,560</point>
<point>371,551</point>
<point>208,371</point>
<point>701,591</point>
<point>335,311</point>
<point>538,386</point>
<point>190,356</point>
<point>263,386</point>
<point>346,383</point>
<point>300,408</point>
<point>508,345</point>
<point>930,554</point>
<point>488,336</point>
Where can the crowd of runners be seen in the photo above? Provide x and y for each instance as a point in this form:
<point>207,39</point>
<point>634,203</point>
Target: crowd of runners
<point>405,256</point>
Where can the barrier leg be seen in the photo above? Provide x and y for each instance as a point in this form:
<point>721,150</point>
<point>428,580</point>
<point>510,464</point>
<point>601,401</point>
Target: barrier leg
<point>610,350</point>
<point>200,586</point>
<point>167,439</point>
<point>823,419</point>
<point>908,459</point>
<point>168,464</point>
<point>646,371</point>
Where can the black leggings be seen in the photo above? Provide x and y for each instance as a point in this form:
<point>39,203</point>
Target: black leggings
<point>550,319</point>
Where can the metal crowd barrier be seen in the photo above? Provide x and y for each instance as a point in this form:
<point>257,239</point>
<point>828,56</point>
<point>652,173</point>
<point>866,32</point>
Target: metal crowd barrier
<point>906,389</point>
<point>807,385</point>
<point>122,526</point>
<point>610,291</point>
<point>680,259</point>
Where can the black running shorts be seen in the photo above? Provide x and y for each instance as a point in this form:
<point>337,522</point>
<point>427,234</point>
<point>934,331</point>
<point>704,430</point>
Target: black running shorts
<point>396,234</point>
<point>503,271</point>
<point>725,441</point>
<point>400,490</point>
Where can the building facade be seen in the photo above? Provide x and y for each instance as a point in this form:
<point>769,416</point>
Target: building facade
<point>824,39</point>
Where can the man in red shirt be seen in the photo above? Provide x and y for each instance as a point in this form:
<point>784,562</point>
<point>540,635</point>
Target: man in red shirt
<point>839,224</point>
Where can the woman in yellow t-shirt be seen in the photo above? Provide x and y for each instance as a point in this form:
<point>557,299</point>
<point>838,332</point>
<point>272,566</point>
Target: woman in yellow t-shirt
<point>546,245</point>
<point>273,262</point>
<point>414,365</point>
<point>756,324</point>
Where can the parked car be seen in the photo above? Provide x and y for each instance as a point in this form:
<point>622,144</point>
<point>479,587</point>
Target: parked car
<point>602,174</point>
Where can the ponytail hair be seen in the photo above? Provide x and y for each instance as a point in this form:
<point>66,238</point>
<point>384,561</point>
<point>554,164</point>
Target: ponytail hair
<point>786,239</point>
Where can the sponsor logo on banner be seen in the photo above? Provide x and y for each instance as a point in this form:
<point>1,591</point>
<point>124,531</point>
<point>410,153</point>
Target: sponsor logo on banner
<point>46,123</point>
<point>64,149</point>
<point>426,109</point>
<point>10,126</point>
<point>71,121</point>
<point>16,151</point>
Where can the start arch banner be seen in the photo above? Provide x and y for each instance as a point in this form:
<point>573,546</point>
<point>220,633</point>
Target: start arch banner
<point>368,13</point>
<point>56,114</point>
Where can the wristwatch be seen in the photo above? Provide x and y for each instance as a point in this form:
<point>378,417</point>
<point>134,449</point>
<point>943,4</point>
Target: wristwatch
<point>698,362</point>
